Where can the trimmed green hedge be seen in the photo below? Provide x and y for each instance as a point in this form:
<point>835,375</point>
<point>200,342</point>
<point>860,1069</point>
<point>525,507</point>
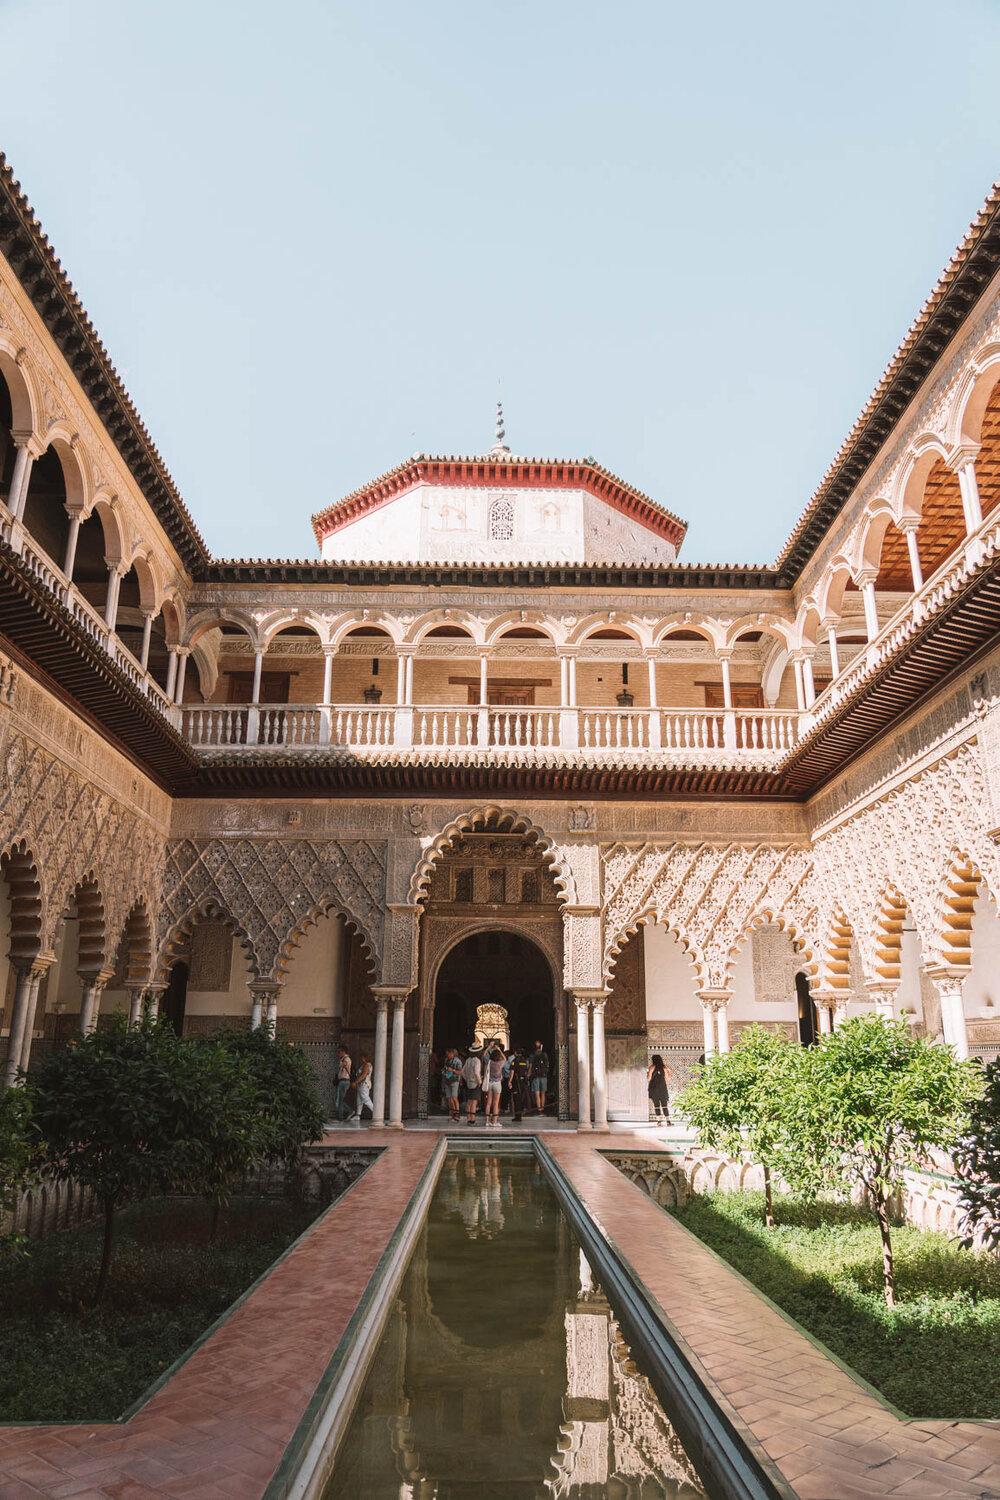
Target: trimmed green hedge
<point>937,1354</point>
<point>66,1361</point>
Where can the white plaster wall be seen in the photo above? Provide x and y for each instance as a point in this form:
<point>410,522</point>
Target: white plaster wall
<point>909,996</point>
<point>314,985</point>
<point>981,993</point>
<point>450,523</point>
<point>611,537</point>
<point>671,982</point>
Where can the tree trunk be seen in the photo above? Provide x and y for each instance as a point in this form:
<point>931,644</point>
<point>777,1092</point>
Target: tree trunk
<point>768,1200</point>
<point>888,1267</point>
<point>110,1210</point>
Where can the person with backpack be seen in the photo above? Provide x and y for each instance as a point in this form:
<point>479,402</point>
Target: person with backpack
<point>451,1077</point>
<point>472,1077</point>
<point>520,1084</point>
<point>538,1068</point>
<point>363,1089</point>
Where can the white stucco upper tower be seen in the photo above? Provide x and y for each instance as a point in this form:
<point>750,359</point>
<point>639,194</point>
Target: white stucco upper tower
<point>498,508</point>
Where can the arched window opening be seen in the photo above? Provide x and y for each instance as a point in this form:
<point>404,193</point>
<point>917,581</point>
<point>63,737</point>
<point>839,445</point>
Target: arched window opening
<point>129,620</point>
<point>45,515</point>
<point>988,458</point>
<point>807,1011</point>
<point>174,1001</point>
<point>8,452</point>
<point>501,524</point>
<point>90,571</point>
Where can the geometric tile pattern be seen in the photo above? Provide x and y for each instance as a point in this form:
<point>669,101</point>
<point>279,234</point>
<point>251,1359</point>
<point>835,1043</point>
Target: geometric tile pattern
<point>272,889</point>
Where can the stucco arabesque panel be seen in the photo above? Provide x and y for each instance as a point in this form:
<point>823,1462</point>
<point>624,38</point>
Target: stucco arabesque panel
<point>272,889</point>
<point>909,841</point>
<point>74,830</point>
<point>710,895</point>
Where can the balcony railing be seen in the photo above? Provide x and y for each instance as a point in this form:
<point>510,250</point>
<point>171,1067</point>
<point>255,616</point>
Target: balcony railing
<point>427,730</point>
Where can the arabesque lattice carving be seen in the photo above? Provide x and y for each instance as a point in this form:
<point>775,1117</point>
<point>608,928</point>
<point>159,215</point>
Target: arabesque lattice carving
<point>272,889</point>
<point>75,831</point>
<point>909,843</point>
<point>710,895</point>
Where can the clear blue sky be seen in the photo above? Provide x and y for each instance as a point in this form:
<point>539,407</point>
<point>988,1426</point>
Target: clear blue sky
<point>688,237</point>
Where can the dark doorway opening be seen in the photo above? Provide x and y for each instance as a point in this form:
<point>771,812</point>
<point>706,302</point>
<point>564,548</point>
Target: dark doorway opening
<point>174,1000</point>
<point>495,968</point>
<point>807,1012</point>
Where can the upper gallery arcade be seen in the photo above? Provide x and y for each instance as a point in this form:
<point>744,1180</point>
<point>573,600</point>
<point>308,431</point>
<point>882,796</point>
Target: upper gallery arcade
<point>497,650</point>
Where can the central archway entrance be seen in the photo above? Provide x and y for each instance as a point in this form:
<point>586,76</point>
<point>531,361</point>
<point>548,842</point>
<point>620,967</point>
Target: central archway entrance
<point>494,968</point>
<point>492,934</point>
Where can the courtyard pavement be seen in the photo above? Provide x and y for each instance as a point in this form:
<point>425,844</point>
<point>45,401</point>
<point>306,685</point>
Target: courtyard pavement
<point>220,1423</point>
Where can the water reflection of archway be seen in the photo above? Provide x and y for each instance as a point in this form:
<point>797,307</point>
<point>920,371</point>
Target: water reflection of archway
<point>495,966</point>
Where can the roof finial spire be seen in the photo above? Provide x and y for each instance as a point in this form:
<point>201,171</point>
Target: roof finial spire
<point>500,446</point>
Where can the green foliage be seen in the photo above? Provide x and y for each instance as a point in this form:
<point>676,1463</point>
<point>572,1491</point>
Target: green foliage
<point>135,1111</point>
<point>738,1102</point>
<point>977,1159</point>
<point>937,1354</point>
<point>16,1155</point>
<point>66,1362</point>
<point>870,1101</point>
<point>288,1109</point>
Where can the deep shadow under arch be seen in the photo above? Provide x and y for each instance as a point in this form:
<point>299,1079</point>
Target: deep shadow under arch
<point>494,966</point>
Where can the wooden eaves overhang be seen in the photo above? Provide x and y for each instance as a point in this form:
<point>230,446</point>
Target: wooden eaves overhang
<point>27,250</point>
<point>45,640</point>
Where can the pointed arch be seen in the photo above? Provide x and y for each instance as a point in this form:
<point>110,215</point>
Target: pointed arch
<point>137,941</point>
<point>769,916</point>
<point>652,918</point>
<point>211,910</point>
<point>19,868</point>
<point>492,819</point>
<point>21,380</point>
<point>92,955</point>
<point>328,905</point>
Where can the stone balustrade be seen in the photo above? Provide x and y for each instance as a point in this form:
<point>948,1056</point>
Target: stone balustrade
<point>709,735</point>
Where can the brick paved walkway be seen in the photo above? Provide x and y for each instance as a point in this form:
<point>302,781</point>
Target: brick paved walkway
<point>830,1439</point>
<point>220,1424</point>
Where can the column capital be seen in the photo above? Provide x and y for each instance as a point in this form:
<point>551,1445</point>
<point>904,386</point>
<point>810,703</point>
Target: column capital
<point>724,653</point>
<point>260,987</point>
<point>946,978</point>
<point>97,977</point>
<point>864,576</point>
<point>589,995</point>
<point>962,455</point>
<point>35,446</point>
<point>715,997</point>
<point>908,524</point>
<point>329,648</point>
<point>397,993</point>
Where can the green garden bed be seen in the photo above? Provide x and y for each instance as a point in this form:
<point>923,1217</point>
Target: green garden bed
<point>936,1354</point>
<point>64,1361</point>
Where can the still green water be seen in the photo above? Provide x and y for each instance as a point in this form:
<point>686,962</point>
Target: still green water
<point>503,1371</point>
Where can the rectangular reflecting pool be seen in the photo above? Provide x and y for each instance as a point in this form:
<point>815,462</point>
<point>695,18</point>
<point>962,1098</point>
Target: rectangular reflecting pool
<point>502,1371</point>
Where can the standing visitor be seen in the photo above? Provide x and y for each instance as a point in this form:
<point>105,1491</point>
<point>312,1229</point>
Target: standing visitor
<point>520,1084</point>
<point>451,1077</point>
<point>472,1077</point>
<point>656,1082</point>
<point>539,1070</point>
<point>363,1089</point>
<point>343,1083</point>
<point>493,1084</point>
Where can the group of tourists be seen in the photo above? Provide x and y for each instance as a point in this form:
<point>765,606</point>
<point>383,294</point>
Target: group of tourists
<point>512,1079</point>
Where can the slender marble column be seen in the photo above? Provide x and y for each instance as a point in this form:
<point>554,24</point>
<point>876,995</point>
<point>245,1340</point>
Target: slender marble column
<point>18,1020</point>
<point>600,1069</point>
<point>396,1080</point>
<point>583,1064</point>
<point>379,1061</point>
<point>708,1027</point>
